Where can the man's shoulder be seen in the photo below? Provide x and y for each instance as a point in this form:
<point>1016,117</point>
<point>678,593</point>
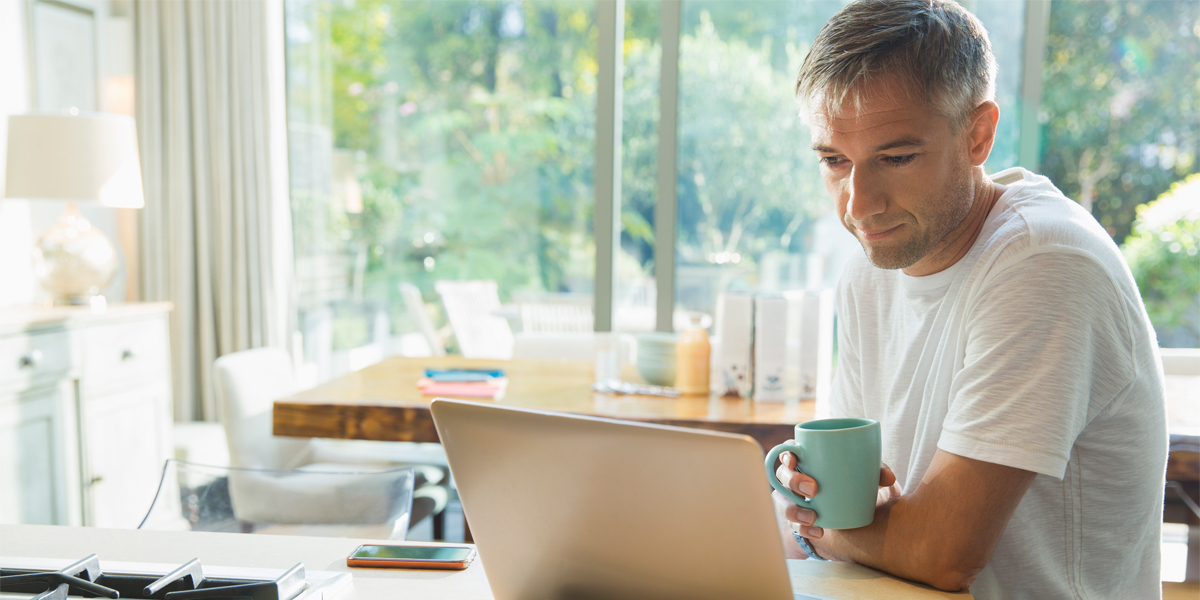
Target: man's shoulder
<point>1033,216</point>
<point>1033,204</point>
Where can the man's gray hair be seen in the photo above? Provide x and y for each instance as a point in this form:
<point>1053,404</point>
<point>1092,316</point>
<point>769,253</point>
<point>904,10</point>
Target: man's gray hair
<point>938,50</point>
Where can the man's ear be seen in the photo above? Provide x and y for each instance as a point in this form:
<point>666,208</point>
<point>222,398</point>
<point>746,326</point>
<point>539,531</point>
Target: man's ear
<point>981,132</point>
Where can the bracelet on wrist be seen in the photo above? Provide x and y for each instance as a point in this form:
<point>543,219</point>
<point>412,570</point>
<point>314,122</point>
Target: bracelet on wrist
<point>808,549</point>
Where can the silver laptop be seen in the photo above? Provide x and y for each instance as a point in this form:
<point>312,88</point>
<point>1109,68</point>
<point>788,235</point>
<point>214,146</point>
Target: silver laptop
<point>572,507</point>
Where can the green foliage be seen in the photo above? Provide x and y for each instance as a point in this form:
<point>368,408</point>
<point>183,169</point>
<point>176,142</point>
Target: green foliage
<point>470,123</point>
<point>1163,254</point>
<point>462,132</point>
<point>474,123</point>
<point>746,182</point>
<point>1119,113</point>
<point>743,182</point>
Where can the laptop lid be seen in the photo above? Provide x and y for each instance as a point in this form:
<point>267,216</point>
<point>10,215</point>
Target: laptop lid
<point>567,506</point>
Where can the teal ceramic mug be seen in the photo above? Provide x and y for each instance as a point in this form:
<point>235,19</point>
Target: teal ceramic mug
<point>844,456</point>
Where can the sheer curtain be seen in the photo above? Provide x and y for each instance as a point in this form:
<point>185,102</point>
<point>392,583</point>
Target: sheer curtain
<point>216,237</point>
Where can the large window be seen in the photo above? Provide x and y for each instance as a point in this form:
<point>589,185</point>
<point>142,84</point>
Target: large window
<point>753,211</point>
<point>437,140</point>
<point>429,141</point>
<point>1120,121</point>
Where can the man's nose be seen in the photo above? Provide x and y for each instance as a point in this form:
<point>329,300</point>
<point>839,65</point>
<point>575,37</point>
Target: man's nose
<point>865,198</point>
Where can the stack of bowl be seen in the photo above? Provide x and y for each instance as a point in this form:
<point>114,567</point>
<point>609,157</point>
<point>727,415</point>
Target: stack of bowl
<point>656,357</point>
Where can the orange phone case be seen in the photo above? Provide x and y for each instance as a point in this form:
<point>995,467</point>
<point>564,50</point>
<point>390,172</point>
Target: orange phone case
<point>412,563</point>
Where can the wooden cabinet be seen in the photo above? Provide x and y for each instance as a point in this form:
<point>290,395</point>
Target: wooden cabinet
<point>85,413</point>
<point>34,482</point>
<point>125,436</point>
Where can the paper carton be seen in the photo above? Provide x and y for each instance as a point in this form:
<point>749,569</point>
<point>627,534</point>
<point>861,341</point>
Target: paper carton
<point>732,369</point>
<point>771,349</point>
<point>816,346</point>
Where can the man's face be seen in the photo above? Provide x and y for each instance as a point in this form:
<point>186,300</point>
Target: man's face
<point>900,175</point>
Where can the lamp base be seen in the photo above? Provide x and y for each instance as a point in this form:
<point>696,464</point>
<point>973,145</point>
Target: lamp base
<point>74,260</point>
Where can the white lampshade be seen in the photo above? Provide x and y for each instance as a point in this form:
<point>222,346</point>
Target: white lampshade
<point>90,158</point>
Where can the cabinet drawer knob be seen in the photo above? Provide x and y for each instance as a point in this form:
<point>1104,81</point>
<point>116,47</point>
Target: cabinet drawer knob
<point>31,359</point>
<point>127,354</point>
<point>95,480</point>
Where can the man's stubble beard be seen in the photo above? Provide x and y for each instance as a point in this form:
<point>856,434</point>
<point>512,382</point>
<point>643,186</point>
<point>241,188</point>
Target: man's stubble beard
<point>953,207</point>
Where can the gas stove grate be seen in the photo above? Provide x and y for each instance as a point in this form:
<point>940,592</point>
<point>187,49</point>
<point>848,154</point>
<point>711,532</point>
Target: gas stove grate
<point>84,578</point>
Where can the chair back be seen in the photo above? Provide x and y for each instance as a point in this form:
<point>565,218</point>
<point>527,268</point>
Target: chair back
<point>470,305</point>
<point>248,383</point>
<point>416,308</point>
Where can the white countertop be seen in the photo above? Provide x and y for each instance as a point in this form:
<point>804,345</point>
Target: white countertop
<point>243,550</point>
<point>828,580</point>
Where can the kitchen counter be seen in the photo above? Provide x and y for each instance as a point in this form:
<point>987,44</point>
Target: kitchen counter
<point>827,580</point>
<point>243,550</point>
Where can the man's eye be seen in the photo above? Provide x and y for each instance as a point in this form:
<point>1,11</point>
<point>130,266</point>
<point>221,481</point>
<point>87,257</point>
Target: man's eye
<point>831,161</point>
<point>899,161</point>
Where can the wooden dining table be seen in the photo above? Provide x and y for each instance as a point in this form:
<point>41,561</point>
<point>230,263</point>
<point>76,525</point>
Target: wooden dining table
<point>383,402</point>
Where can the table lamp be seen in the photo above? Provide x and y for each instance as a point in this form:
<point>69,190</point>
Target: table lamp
<point>76,158</point>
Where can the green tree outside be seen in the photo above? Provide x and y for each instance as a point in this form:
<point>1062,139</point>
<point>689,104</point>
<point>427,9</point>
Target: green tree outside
<point>461,135</point>
<point>1119,114</point>
<point>1164,254</point>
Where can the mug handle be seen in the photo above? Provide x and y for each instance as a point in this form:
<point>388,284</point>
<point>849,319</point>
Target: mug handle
<point>771,479</point>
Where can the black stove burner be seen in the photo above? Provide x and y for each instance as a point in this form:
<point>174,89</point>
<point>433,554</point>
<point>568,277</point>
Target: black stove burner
<point>187,582</point>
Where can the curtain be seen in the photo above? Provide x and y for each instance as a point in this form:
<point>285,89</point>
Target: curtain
<point>212,235</point>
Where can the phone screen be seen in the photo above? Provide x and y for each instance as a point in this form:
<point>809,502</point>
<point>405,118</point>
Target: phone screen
<point>412,553</point>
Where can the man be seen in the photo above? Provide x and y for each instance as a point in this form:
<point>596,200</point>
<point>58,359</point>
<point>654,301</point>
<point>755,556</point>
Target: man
<point>993,329</point>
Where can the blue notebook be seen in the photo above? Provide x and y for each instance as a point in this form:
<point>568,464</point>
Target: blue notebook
<point>463,375</point>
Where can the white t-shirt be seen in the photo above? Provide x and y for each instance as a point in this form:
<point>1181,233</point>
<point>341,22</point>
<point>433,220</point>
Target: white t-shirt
<point>1033,351</point>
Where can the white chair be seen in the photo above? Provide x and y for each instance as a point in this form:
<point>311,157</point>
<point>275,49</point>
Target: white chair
<point>416,308</point>
<point>470,307</point>
<point>248,382</point>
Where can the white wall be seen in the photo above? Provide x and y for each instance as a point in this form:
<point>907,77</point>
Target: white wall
<point>16,238</point>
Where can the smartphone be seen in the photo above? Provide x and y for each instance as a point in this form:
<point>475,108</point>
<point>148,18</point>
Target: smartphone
<point>412,556</point>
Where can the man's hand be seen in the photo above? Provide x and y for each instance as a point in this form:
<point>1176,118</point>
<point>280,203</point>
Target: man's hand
<point>801,519</point>
<point>942,533</point>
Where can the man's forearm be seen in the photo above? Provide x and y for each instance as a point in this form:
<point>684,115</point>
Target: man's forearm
<point>903,542</point>
<point>943,532</point>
